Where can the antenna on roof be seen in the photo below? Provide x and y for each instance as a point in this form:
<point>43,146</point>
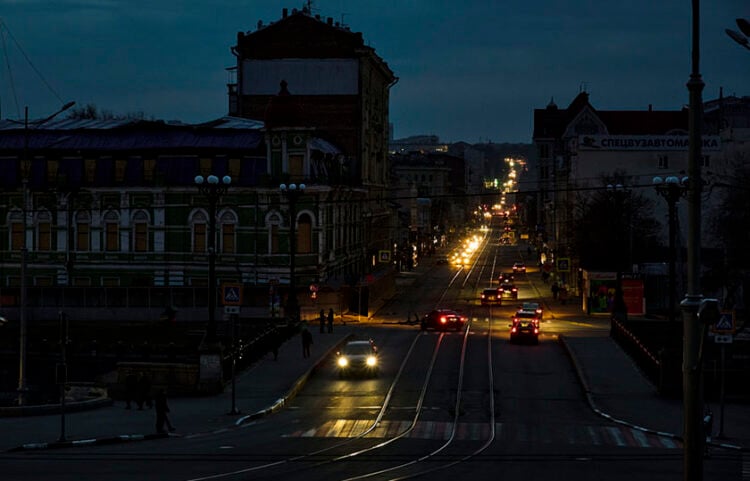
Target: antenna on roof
<point>582,87</point>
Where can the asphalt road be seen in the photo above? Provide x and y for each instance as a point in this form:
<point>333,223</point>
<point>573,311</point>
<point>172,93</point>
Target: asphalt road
<point>459,405</point>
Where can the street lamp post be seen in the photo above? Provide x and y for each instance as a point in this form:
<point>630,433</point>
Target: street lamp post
<point>212,188</point>
<point>741,38</point>
<point>694,435</point>
<point>672,189</point>
<point>25,170</point>
<point>292,192</point>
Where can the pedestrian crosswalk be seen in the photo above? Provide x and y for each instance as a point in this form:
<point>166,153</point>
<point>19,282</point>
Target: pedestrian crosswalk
<point>597,435</point>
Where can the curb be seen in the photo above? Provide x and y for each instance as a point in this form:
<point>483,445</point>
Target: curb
<point>296,388</point>
<point>589,399</point>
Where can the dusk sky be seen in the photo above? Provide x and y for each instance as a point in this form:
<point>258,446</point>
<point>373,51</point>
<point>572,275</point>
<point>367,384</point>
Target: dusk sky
<point>471,70</point>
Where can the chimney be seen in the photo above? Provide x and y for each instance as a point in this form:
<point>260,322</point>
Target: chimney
<point>260,24</point>
<point>284,12</point>
<point>650,108</point>
<point>329,21</point>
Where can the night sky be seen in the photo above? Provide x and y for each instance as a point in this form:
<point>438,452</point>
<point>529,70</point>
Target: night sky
<point>471,70</point>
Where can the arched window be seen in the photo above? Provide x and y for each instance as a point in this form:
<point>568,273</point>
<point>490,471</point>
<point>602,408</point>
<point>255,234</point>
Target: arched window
<point>111,231</point>
<point>199,225</point>
<point>140,231</point>
<point>43,223</point>
<point>304,234</point>
<point>83,231</point>
<point>15,221</point>
<point>228,222</point>
<point>273,222</point>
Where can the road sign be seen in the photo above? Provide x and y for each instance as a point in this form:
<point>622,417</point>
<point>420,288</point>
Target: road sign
<point>723,339</point>
<point>384,256</point>
<point>563,264</point>
<point>725,324</point>
<point>231,294</point>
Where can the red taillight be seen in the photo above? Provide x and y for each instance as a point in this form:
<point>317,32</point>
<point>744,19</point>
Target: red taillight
<point>513,329</point>
<point>443,320</point>
<point>536,330</point>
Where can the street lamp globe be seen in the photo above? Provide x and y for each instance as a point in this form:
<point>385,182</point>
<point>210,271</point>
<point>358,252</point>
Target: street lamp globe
<point>199,179</point>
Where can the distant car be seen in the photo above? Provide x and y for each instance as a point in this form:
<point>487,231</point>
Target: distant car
<point>358,357</point>
<point>442,260</point>
<point>490,296</point>
<point>533,306</point>
<point>525,326</point>
<point>508,291</point>
<point>505,277</point>
<point>443,319</point>
<point>519,267</point>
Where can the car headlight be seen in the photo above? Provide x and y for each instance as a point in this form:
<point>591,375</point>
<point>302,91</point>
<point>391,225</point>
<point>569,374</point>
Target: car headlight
<point>371,360</point>
<point>343,362</point>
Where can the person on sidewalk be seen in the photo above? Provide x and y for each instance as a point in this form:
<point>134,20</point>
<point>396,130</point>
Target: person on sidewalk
<point>162,408</point>
<point>555,290</point>
<point>322,321</point>
<point>307,341</point>
<point>330,321</point>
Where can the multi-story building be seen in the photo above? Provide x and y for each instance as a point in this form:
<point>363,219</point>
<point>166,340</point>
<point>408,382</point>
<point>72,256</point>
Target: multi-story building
<point>342,88</point>
<point>579,146</point>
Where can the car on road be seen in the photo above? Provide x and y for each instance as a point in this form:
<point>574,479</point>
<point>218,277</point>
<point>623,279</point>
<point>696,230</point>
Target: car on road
<point>442,260</point>
<point>534,307</point>
<point>358,357</point>
<point>519,267</point>
<point>490,296</point>
<point>508,291</point>
<point>443,319</point>
<point>505,277</point>
<point>525,326</point>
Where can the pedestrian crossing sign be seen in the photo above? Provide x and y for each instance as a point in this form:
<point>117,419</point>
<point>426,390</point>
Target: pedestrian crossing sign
<point>725,323</point>
<point>231,294</point>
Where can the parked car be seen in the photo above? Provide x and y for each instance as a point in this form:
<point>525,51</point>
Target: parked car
<point>490,296</point>
<point>443,319</point>
<point>534,307</point>
<point>358,357</point>
<point>508,291</point>
<point>519,267</point>
<point>525,326</point>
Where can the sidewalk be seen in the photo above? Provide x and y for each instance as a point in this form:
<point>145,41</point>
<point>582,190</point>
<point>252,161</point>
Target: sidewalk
<point>264,388</point>
<point>617,390</point>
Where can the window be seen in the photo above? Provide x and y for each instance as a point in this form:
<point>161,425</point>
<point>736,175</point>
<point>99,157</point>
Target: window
<point>228,223</point>
<point>16,231</point>
<point>304,234</point>
<point>227,239</point>
<point>663,162</point>
<point>44,231</point>
<point>543,151</point>
<point>273,233</point>
<point>296,167</point>
<point>199,232</point>
<point>140,232</point>
<point>111,232</point>
<point>83,231</point>
<point>705,161</point>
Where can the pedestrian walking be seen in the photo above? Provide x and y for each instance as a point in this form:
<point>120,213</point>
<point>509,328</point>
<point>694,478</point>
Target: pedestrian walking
<point>131,389</point>
<point>555,290</point>
<point>144,391</point>
<point>322,321</point>
<point>307,341</point>
<point>162,410</point>
<point>330,321</point>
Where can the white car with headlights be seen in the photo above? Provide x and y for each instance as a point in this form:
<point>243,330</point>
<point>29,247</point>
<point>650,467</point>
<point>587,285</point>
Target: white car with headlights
<point>358,357</point>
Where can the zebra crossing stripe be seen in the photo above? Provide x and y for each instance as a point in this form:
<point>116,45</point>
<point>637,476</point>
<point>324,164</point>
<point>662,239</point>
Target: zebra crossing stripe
<point>615,435</point>
<point>640,438</point>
